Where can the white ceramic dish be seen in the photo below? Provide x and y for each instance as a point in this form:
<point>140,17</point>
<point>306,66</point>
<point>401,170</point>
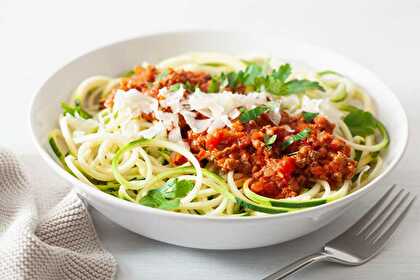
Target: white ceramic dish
<point>199,231</point>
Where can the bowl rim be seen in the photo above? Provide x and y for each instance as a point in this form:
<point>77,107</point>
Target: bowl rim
<point>116,202</point>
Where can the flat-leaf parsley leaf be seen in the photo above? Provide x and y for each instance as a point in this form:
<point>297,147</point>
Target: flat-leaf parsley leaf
<point>294,138</point>
<point>169,195</point>
<point>269,140</point>
<point>252,114</point>
<point>309,116</point>
<point>361,122</point>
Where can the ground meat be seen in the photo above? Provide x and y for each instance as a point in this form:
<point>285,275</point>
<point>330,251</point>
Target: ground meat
<point>199,79</point>
<point>150,80</point>
<point>147,80</point>
<point>177,159</point>
<point>275,171</point>
<point>272,180</point>
<point>141,79</point>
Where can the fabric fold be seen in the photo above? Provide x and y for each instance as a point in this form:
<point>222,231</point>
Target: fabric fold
<point>61,244</point>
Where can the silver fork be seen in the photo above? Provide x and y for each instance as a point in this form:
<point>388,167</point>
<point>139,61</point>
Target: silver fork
<point>362,241</point>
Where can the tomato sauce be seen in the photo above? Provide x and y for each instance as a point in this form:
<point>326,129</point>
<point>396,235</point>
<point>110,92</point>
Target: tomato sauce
<point>275,171</point>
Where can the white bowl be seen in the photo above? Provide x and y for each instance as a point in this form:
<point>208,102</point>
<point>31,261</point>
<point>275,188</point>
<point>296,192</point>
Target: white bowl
<point>199,231</point>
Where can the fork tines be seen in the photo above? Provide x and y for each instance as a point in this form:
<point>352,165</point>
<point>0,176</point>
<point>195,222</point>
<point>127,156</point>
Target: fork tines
<point>385,216</point>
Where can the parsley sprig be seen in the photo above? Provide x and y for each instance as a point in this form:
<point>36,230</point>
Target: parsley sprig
<point>294,138</point>
<point>269,140</point>
<point>361,122</point>
<point>169,195</point>
<point>162,75</point>
<point>277,83</point>
<point>252,114</point>
<point>175,87</point>
<point>254,79</point>
<point>247,77</point>
<point>309,116</point>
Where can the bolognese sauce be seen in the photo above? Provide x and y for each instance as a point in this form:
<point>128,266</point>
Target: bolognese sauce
<point>275,171</point>
<point>278,172</point>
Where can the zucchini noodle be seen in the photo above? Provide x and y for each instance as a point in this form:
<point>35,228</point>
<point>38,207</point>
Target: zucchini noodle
<point>65,130</point>
<point>130,149</point>
<point>70,161</point>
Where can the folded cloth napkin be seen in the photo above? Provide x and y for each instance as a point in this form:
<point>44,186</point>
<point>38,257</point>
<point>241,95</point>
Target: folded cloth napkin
<point>45,239</point>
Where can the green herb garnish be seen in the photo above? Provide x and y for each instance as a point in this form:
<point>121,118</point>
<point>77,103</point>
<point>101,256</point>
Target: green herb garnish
<point>294,138</point>
<point>218,83</point>
<point>361,122</point>
<point>251,73</point>
<point>276,83</point>
<point>213,86</point>
<point>298,86</point>
<point>269,140</point>
<point>175,87</point>
<point>234,79</point>
<point>67,109</point>
<point>223,81</point>
<point>169,195</point>
<point>282,73</point>
<point>252,114</point>
<point>309,116</point>
<point>247,77</point>
<point>189,87</point>
<point>162,75</point>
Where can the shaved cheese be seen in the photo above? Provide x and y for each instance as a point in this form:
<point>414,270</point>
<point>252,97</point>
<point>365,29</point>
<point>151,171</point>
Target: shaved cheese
<point>234,114</point>
<point>291,102</point>
<point>135,102</point>
<point>152,131</point>
<point>196,125</point>
<point>224,102</point>
<point>275,115</point>
<point>322,106</point>
<point>219,107</point>
<point>311,105</point>
<point>330,111</point>
<point>288,128</point>
<point>169,120</point>
<point>172,99</point>
<point>175,135</point>
<point>219,122</point>
<point>130,128</point>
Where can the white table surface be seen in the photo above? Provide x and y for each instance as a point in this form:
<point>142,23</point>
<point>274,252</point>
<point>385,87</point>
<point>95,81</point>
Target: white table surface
<point>37,37</point>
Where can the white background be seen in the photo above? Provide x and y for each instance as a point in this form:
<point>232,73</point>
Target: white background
<point>37,37</point>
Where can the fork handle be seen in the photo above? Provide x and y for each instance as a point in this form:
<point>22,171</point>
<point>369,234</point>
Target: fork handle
<point>296,265</point>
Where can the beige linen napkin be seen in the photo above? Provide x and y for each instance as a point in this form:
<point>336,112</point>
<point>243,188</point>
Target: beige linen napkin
<point>46,232</point>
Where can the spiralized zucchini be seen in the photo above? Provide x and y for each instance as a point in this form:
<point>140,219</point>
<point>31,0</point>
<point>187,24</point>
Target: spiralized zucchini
<point>107,153</point>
